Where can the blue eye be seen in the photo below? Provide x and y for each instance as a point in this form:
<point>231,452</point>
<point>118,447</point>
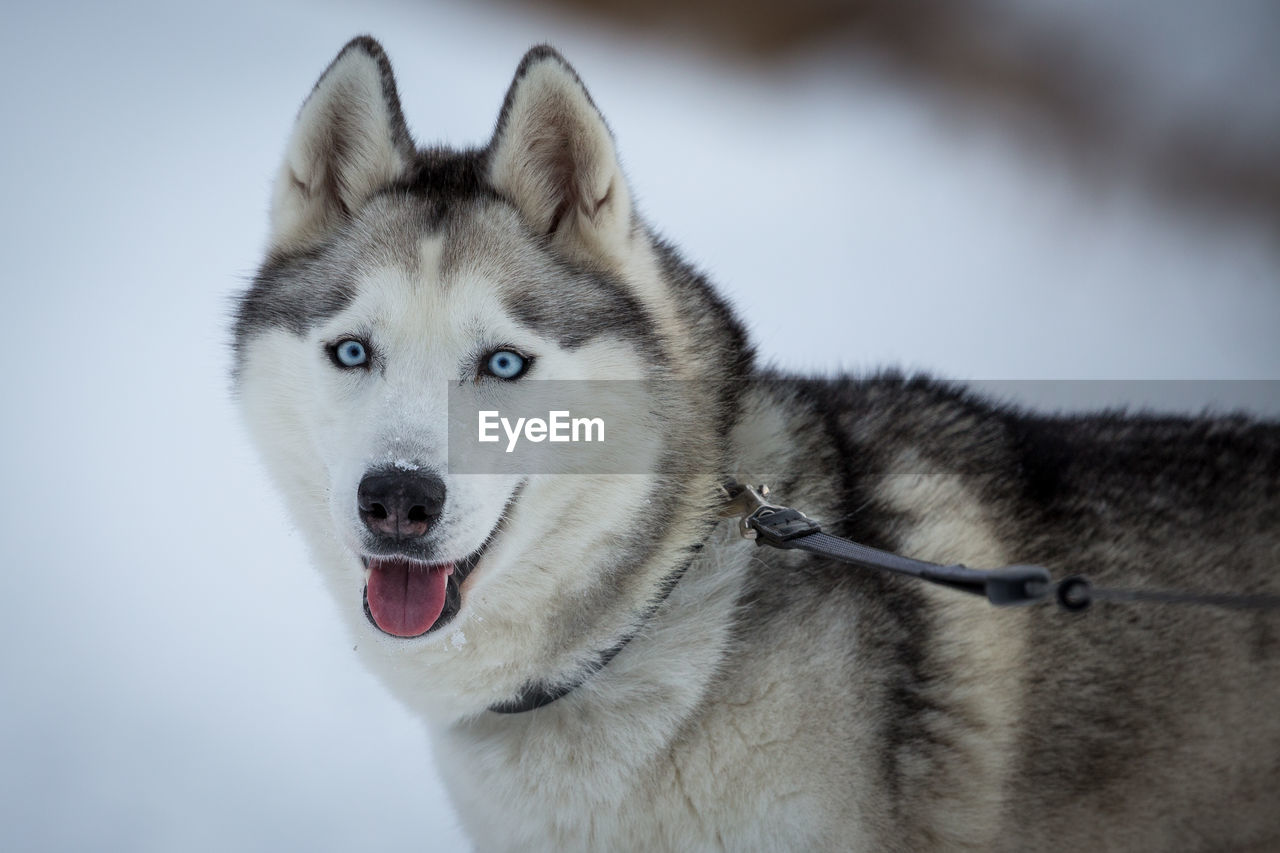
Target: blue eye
<point>506,364</point>
<point>350,353</point>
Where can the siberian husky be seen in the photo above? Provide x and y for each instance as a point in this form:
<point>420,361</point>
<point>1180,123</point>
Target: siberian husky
<point>602,662</point>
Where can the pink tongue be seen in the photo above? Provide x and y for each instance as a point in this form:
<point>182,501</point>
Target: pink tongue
<point>406,598</point>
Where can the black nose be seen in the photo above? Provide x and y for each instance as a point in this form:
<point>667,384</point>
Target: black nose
<point>400,505</point>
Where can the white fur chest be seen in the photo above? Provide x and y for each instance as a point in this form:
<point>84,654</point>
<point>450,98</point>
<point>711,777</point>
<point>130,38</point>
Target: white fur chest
<point>540,787</point>
<point>633,759</point>
<point>638,759</point>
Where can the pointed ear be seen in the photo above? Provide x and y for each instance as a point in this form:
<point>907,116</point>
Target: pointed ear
<point>553,157</point>
<point>349,141</point>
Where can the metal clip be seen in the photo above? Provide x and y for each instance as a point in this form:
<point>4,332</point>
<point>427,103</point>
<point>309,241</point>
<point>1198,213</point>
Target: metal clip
<point>743,502</point>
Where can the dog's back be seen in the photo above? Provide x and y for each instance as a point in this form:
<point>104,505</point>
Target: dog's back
<point>1130,726</point>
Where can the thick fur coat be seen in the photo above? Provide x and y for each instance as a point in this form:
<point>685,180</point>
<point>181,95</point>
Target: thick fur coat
<point>722,696</point>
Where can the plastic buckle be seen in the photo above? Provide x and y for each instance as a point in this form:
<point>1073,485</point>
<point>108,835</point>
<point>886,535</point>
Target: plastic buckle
<point>761,521</point>
<point>778,525</point>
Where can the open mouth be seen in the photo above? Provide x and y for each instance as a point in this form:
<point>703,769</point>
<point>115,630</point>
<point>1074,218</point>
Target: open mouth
<point>408,597</point>
<point>405,597</point>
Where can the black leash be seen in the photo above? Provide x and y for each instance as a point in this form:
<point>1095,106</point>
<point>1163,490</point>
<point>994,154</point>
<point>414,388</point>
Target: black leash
<point>786,528</point>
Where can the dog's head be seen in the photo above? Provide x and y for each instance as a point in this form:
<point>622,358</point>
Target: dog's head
<point>394,274</point>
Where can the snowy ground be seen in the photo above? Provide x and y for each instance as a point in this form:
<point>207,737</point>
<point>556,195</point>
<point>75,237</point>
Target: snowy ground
<point>172,676</point>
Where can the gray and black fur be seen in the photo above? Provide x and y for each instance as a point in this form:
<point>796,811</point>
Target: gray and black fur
<point>763,699</point>
<point>1143,726</point>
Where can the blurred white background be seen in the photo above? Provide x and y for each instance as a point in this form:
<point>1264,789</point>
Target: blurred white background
<point>171,676</point>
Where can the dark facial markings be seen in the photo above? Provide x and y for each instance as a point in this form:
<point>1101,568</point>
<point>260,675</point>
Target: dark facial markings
<point>445,195</point>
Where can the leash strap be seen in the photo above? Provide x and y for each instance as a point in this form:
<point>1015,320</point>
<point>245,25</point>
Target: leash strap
<point>789,529</point>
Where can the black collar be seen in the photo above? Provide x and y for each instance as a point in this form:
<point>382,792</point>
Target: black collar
<point>538,693</point>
